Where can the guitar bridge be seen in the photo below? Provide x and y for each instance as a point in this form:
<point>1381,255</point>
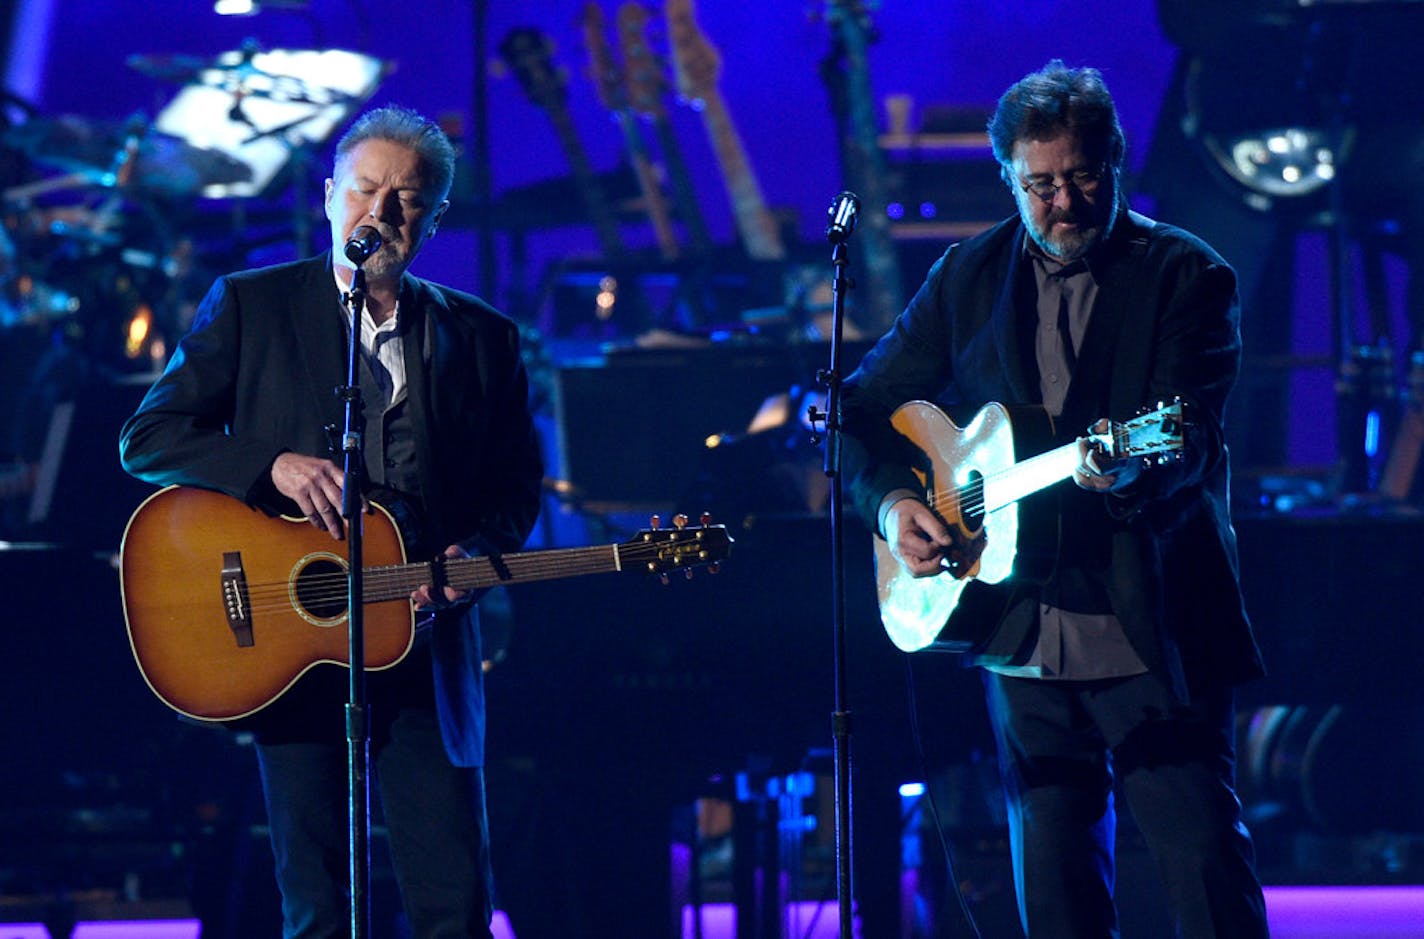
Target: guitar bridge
<point>235,601</point>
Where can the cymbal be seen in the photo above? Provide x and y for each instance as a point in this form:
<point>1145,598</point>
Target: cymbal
<point>165,163</point>
<point>125,155</point>
<point>182,69</point>
<point>248,71</point>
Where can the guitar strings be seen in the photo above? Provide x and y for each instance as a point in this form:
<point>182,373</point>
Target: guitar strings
<point>330,588</point>
<point>970,496</point>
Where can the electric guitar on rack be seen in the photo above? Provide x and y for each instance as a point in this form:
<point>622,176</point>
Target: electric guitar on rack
<point>647,87</point>
<point>973,481</point>
<point>698,67</point>
<point>227,607</point>
<point>529,54</point>
<point>611,85</point>
<point>863,161</point>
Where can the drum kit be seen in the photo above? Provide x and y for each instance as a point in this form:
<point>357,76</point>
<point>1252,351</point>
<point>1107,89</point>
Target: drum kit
<point>111,229</point>
<point>91,192</point>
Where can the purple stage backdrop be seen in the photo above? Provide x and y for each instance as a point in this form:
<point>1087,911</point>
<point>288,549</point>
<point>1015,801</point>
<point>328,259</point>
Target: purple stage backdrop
<point>72,57</point>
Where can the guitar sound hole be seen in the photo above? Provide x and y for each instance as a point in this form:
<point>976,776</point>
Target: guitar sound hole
<point>971,510</point>
<point>321,589</point>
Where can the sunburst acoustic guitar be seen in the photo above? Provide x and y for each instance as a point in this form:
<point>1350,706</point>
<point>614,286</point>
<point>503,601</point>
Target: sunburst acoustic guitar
<point>227,607</point>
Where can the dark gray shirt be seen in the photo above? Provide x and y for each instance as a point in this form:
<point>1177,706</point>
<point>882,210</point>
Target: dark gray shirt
<point>1070,645</point>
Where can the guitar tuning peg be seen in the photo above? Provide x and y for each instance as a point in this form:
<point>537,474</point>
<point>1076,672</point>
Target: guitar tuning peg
<point>663,579</point>
<point>679,520</point>
<point>704,519</point>
<point>687,573</point>
<point>715,567</point>
<point>655,521</point>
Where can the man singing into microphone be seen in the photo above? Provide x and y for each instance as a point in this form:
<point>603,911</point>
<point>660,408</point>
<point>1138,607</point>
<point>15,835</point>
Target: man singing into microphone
<point>246,407</point>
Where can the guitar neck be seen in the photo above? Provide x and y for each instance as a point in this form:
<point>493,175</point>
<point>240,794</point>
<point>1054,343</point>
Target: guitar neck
<point>1025,478</point>
<point>396,581</point>
<point>865,167</point>
<point>754,223</point>
<point>659,213</point>
<point>595,201</point>
<point>683,194</point>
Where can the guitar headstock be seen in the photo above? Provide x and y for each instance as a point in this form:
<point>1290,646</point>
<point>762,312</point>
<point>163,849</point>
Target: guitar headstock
<point>607,76</point>
<point>529,54</point>
<point>658,550</point>
<point>696,63</point>
<point>846,15</point>
<point>1155,435</point>
<point>646,81</point>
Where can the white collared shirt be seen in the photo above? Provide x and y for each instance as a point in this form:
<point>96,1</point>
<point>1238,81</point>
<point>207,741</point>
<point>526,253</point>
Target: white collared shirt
<point>384,346</point>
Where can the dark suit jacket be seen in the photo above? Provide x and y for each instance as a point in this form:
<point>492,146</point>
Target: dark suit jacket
<point>256,377</point>
<point>1165,323</point>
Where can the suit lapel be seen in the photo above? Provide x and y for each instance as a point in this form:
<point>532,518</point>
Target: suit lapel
<point>1014,302</point>
<point>416,307</point>
<point>315,312</point>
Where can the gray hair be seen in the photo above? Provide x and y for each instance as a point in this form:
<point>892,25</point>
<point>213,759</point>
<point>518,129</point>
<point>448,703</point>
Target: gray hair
<point>409,129</point>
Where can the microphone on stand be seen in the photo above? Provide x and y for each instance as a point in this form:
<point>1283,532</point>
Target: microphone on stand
<point>364,242</point>
<point>844,210</point>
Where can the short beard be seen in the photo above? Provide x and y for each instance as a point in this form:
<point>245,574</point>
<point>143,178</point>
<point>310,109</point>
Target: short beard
<point>387,261</point>
<point>1069,247</point>
<point>1073,246</point>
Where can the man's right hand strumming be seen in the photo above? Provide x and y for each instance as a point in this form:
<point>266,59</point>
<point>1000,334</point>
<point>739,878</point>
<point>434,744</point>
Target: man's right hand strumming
<point>315,485</point>
<point>924,545</point>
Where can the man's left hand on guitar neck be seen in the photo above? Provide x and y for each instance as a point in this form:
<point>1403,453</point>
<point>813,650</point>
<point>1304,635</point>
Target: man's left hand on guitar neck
<point>429,597</point>
<point>1099,472</point>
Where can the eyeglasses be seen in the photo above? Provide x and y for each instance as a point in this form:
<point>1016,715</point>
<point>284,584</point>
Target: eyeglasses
<point>1085,181</point>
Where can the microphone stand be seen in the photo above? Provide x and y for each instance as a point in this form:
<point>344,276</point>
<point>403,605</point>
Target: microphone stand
<point>358,732</point>
<point>838,234</point>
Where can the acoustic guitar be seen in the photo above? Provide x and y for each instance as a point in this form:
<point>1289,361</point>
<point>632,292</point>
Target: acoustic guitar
<point>974,482</point>
<point>227,607</point>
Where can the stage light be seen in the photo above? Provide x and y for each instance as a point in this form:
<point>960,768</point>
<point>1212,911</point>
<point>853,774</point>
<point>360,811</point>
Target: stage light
<point>253,7</point>
<point>1280,162</point>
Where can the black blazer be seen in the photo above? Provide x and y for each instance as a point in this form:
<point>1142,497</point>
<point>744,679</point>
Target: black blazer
<point>1165,322</point>
<point>256,377</point>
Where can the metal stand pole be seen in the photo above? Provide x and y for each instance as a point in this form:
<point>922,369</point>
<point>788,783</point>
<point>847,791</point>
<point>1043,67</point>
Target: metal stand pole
<point>842,222</point>
<point>357,726</point>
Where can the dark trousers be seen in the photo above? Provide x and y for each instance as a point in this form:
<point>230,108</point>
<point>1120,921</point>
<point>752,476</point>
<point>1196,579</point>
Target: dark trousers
<point>434,815</point>
<point>1061,746</point>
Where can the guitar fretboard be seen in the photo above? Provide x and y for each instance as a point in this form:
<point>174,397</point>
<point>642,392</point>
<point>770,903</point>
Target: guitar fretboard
<point>394,581</point>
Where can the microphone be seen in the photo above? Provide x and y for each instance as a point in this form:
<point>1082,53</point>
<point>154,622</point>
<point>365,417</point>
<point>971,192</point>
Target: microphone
<point>844,210</point>
<point>364,242</point>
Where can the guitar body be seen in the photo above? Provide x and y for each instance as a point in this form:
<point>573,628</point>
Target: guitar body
<point>916,610</point>
<point>171,581</point>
